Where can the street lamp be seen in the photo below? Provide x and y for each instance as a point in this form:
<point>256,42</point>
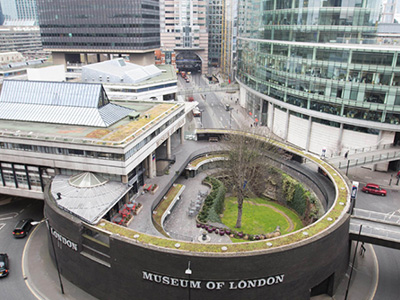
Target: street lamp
<point>54,250</point>
<point>188,272</point>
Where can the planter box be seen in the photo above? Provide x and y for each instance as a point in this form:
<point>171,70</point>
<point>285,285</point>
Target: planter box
<point>154,190</point>
<point>138,210</point>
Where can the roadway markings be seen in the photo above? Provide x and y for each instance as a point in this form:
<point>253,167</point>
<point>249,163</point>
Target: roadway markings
<point>8,216</point>
<point>2,225</point>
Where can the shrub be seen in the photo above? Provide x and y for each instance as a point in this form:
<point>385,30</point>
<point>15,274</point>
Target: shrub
<point>214,203</point>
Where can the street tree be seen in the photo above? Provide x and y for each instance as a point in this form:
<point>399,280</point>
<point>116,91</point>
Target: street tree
<point>247,165</point>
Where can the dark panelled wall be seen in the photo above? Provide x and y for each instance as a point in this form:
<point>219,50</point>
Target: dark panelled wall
<point>304,266</point>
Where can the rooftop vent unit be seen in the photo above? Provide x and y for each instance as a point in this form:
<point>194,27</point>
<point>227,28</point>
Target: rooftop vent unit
<point>134,115</point>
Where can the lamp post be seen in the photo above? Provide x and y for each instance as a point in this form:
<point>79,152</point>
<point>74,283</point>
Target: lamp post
<point>54,250</point>
<point>188,272</point>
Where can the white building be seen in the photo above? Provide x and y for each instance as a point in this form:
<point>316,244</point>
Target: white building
<point>62,128</point>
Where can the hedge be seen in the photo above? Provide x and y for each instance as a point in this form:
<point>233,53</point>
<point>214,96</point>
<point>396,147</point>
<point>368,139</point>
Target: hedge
<point>213,205</point>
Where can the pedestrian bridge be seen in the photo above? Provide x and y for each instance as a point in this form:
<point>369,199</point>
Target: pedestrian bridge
<point>228,88</point>
<point>366,156</point>
<point>377,228</point>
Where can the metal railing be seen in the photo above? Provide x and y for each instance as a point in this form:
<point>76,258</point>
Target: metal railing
<point>365,149</point>
<point>388,156</point>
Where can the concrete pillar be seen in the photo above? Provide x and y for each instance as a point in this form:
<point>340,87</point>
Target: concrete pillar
<point>124,179</point>
<point>308,134</point>
<point>271,114</point>
<point>169,147</point>
<point>182,135</point>
<point>58,58</point>
<point>339,142</point>
<point>287,125</point>
<point>142,59</point>
<point>150,165</point>
<point>378,142</point>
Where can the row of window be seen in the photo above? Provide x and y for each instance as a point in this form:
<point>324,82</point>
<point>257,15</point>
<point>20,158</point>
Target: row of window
<point>95,35</point>
<point>267,51</point>
<point>129,25</point>
<point>140,90</point>
<point>111,45</point>
<point>24,176</point>
<point>86,153</point>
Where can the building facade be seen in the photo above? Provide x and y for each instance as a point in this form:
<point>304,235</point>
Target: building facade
<point>24,39</point>
<point>37,143</point>
<point>183,29</point>
<point>229,38</point>
<point>19,10</point>
<point>126,81</point>
<point>315,75</point>
<point>215,16</point>
<point>72,28</point>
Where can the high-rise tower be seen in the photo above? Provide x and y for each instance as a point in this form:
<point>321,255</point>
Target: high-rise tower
<point>71,28</point>
<point>314,73</point>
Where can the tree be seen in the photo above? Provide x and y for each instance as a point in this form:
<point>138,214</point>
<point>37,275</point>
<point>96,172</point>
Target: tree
<point>247,165</point>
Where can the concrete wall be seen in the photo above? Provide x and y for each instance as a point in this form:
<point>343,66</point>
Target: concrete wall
<point>52,73</point>
<point>301,266</point>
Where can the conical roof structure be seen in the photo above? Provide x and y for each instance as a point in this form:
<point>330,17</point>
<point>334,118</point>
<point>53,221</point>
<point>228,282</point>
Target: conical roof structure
<point>86,180</point>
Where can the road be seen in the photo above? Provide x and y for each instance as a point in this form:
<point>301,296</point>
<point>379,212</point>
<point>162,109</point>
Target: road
<point>388,259</point>
<point>13,286</point>
<point>214,113</point>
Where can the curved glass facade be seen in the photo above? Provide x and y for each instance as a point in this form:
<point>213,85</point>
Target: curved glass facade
<point>322,56</point>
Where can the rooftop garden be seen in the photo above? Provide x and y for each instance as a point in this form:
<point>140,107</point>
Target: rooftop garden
<point>163,206</point>
<point>134,127</point>
<point>334,214</point>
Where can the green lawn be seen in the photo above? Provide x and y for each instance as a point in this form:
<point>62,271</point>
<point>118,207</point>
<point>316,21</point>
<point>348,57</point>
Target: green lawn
<point>258,219</point>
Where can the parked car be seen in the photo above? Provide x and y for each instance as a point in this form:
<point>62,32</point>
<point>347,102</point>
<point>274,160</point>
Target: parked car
<point>375,189</point>
<point>22,228</point>
<point>4,265</point>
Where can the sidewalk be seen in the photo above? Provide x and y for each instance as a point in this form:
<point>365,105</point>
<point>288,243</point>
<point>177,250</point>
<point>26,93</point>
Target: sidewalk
<point>40,273</point>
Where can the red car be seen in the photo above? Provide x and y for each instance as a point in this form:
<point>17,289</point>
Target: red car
<point>375,189</point>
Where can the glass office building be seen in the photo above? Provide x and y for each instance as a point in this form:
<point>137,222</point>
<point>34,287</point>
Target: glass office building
<point>99,26</point>
<point>316,74</point>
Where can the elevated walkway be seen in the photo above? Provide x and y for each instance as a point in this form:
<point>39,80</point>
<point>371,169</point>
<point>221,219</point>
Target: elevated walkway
<point>377,228</point>
<point>367,157</point>
<point>231,88</point>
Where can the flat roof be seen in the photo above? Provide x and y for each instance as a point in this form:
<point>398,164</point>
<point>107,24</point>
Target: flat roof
<point>151,113</point>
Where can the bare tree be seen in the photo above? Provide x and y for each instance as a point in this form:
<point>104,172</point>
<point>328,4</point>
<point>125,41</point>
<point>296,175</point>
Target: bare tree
<point>248,166</point>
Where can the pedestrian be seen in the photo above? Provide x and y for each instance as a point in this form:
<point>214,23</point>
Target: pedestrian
<point>398,174</point>
<point>362,249</point>
<point>346,154</point>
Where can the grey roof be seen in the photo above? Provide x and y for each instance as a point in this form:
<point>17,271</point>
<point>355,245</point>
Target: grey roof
<point>88,204</point>
<point>59,102</point>
<point>118,71</point>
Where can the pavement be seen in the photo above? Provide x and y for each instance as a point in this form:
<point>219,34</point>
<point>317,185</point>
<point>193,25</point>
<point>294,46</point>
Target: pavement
<point>41,276</point>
